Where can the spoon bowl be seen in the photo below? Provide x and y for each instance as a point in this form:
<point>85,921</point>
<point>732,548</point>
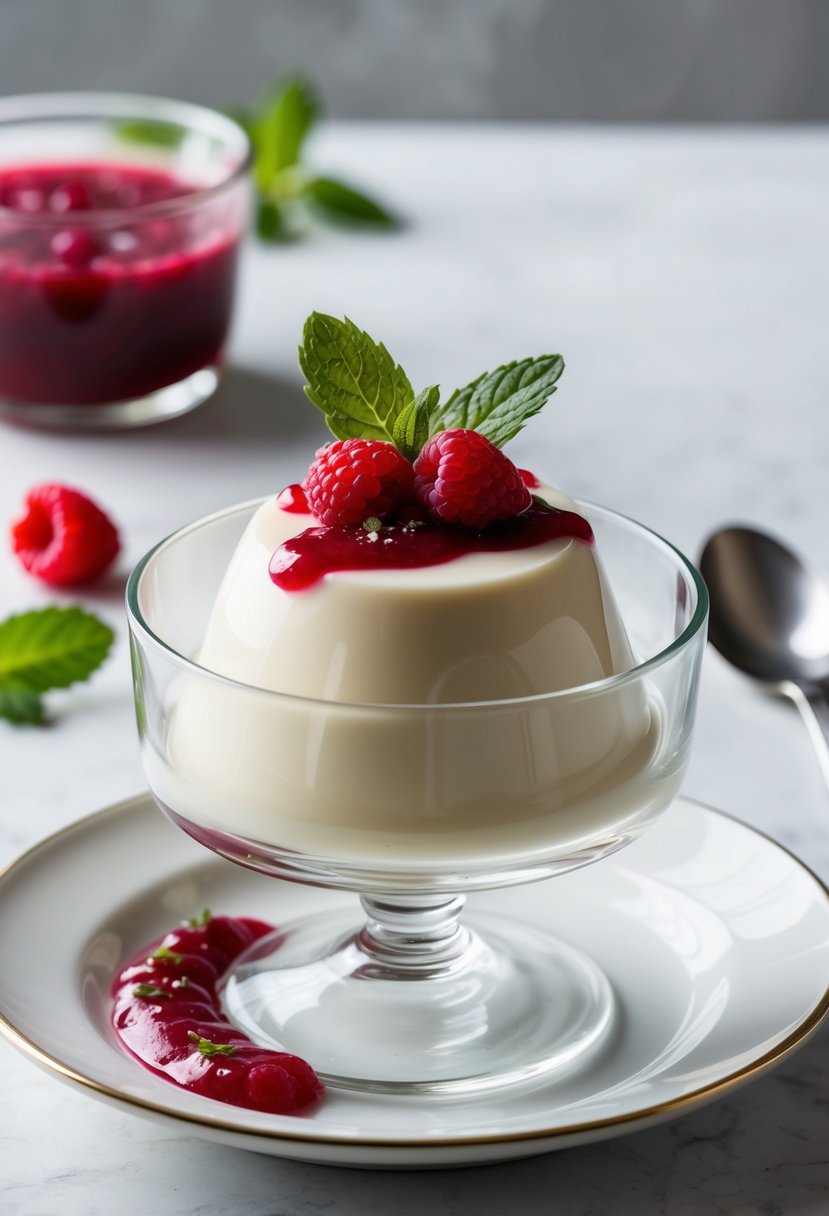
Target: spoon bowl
<point>770,618</point>
<point>769,610</point>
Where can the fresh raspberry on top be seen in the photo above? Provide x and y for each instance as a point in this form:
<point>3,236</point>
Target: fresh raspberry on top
<point>354,479</point>
<point>462,478</point>
<point>63,537</point>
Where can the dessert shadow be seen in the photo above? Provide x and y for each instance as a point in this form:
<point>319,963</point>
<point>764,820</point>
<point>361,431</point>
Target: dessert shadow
<point>248,407</point>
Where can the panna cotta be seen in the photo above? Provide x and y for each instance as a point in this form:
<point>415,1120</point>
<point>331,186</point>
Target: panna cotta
<point>482,626</point>
<point>425,692</point>
<point>412,726</point>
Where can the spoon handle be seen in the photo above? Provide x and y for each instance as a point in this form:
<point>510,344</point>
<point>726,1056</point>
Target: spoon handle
<point>813,702</point>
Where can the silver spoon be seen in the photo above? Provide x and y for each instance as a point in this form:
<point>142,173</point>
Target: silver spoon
<point>770,618</point>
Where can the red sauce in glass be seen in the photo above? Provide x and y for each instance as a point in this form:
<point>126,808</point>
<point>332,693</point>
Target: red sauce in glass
<point>93,310</point>
<point>166,1014</point>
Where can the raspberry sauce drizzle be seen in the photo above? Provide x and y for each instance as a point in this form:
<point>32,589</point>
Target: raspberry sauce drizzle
<point>303,560</point>
<point>294,500</point>
<point>167,1015</point>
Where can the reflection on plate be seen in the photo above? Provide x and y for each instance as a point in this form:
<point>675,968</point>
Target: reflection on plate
<point>715,940</point>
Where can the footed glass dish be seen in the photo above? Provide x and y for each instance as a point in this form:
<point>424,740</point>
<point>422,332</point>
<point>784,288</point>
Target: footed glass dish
<point>411,807</point>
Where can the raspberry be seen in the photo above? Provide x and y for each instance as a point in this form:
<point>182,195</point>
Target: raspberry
<point>462,478</point>
<point>63,537</point>
<point>354,479</point>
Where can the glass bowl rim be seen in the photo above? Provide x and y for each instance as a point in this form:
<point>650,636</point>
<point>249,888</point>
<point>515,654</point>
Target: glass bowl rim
<point>66,106</point>
<point>139,626</point>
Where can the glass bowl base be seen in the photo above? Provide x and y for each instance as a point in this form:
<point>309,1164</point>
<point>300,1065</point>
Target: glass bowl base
<point>489,1004</point>
<point>160,406</point>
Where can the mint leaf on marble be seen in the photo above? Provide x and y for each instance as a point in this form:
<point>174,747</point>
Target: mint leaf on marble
<point>337,201</point>
<point>21,708</point>
<point>352,379</point>
<point>497,404</point>
<point>270,221</point>
<point>278,127</point>
<point>44,649</point>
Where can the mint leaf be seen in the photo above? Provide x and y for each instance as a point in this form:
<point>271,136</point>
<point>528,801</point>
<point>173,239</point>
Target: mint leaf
<point>278,128</point>
<point>149,131</point>
<point>270,224</point>
<point>352,379</point>
<point>411,427</point>
<point>281,128</point>
<point>207,1048</point>
<point>343,203</point>
<point>498,403</point>
<point>196,921</point>
<point>50,648</point>
<point>21,708</point>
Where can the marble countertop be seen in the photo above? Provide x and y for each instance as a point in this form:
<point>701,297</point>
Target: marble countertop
<point>683,274</point>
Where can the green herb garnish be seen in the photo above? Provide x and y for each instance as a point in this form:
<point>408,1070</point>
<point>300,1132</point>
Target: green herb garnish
<point>372,524</point>
<point>149,991</point>
<point>211,1049</point>
<point>364,394</point>
<point>194,922</point>
<point>45,649</point>
<point>278,128</point>
<point>163,953</point>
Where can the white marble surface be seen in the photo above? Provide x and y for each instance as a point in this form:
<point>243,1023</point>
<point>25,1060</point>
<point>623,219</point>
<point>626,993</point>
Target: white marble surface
<point>683,275</point>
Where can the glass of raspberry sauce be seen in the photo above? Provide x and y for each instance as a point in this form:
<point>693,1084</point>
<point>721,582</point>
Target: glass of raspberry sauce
<point>120,223</point>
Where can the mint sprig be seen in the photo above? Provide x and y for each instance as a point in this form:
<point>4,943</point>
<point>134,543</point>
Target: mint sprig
<point>339,203</point>
<point>352,379</point>
<point>278,128</point>
<point>364,394</point>
<point>412,426</point>
<point>45,649</point>
<point>497,404</point>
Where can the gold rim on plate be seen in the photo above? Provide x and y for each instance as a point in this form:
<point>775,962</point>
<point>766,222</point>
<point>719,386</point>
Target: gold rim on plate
<point>796,1038</point>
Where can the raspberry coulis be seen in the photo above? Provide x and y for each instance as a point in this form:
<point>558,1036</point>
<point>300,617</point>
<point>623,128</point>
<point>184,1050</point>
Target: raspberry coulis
<point>166,1014</point>
<point>95,310</point>
<point>303,560</point>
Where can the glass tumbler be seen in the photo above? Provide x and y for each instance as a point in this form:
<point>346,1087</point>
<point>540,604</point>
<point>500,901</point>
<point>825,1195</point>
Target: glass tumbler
<point>120,223</point>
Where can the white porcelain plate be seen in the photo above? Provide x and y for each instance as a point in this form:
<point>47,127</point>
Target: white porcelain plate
<point>715,939</point>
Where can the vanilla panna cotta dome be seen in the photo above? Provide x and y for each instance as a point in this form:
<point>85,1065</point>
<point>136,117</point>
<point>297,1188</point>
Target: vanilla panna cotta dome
<point>389,783</point>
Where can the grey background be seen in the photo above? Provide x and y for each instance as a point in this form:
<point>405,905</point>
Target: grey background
<point>634,60</point>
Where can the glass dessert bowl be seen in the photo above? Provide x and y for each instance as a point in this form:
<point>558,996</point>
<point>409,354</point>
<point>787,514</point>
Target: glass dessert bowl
<point>120,223</point>
<point>414,804</point>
